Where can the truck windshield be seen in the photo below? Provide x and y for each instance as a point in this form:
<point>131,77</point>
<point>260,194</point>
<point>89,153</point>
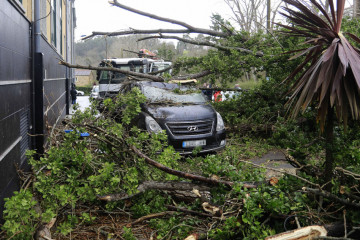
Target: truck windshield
<point>155,94</point>
<point>116,77</point>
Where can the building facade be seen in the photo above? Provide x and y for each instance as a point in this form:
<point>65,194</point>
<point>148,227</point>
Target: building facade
<point>34,88</point>
<point>84,78</point>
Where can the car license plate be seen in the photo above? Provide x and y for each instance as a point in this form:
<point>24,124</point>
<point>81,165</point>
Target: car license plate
<point>195,143</point>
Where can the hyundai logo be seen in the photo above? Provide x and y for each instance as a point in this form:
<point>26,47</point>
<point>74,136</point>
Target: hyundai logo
<point>192,128</point>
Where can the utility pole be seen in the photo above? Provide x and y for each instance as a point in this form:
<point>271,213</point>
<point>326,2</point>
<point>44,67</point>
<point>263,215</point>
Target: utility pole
<point>268,15</point>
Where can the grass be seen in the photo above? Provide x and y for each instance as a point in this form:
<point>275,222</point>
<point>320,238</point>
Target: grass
<point>249,84</point>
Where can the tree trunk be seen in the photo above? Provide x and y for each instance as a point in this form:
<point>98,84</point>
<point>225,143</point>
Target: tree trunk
<point>356,8</point>
<point>329,140</point>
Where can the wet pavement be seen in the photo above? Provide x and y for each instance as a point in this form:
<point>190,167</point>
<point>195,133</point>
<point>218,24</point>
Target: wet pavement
<point>274,159</point>
<point>83,101</point>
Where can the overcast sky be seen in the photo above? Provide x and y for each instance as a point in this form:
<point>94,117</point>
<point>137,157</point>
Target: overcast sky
<point>99,15</point>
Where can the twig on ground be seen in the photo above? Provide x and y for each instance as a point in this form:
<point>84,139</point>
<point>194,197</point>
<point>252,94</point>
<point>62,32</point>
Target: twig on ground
<point>332,238</point>
<point>282,171</point>
<point>153,185</point>
<point>331,196</point>
<point>150,216</point>
<point>345,230</point>
<point>184,210</point>
<point>348,173</point>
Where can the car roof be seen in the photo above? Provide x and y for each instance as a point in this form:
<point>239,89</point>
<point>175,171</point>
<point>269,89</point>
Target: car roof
<point>163,85</point>
<point>127,60</point>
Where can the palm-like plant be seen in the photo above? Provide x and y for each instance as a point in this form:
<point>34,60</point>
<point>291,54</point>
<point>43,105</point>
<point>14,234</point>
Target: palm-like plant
<point>330,73</point>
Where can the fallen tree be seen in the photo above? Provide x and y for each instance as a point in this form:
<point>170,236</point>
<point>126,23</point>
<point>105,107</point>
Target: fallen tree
<point>138,176</point>
<point>217,40</point>
<point>119,171</point>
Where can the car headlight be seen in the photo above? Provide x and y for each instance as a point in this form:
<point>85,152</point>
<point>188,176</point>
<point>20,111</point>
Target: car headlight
<point>220,123</point>
<point>152,125</point>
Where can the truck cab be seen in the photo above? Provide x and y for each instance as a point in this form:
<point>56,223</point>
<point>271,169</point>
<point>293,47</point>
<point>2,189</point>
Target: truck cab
<point>110,82</point>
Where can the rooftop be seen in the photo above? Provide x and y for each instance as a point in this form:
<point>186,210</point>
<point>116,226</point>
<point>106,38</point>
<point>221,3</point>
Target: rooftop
<point>82,72</point>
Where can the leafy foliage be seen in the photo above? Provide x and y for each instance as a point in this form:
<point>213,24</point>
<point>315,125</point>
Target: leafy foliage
<point>75,170</point>
<point>21,204</point>
<point>332,78</point>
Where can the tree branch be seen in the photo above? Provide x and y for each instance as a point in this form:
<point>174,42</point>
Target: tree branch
<point>281,171</point>
<point>184,174</point>
<point>142,75</point>
<point>136,31</point>
<point>348,173</point>
<point>161,71</point>
<point>202,43</point>
<point>184,210</point>
<point>152,185</point>
<point>193,76</point>
<point>169,20</point>
<point>168,170</point>
<point>135,74</point>
<point>150,216</point>
<point>331,197</point>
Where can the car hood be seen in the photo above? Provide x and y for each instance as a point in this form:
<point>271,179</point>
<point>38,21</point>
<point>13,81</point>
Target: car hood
<point>181,113</point>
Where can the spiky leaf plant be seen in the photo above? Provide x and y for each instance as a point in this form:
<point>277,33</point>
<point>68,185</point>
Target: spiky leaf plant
<point>330,72</point>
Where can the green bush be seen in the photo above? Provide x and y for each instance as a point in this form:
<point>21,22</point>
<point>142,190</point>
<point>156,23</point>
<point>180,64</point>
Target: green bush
<point>86,90</point>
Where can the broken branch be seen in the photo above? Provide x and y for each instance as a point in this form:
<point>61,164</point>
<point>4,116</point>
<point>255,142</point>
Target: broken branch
<point>193,76</point>
<point>331,196</point>
<point>184,210</point>
<point>150,216</point>
<point>152,185</point>
<point>137,31</point>
<point>348,173</point>
<point>202,43</point>
<point>160,71</point>
<point>172,21</point>
<point>281,171</point>
<point>184,174</point>
<point>136,74</point>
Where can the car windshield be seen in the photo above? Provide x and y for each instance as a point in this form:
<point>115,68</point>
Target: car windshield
<point>155,94</point>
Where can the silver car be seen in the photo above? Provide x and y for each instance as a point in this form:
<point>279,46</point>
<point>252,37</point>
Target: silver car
<point>94,92</point>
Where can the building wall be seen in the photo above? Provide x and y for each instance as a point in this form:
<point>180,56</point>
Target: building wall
<point>54,98</point>
<point>15,94</point>
<point>34,88</point>
<point>84,81</point>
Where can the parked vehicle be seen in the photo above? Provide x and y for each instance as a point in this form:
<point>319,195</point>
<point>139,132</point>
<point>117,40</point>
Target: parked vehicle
<point>188,119</point>
<point>94,92</point>
<point>220,96</point>
<point>110,82</point>
<point>79,93</point>
<point>186,116</point>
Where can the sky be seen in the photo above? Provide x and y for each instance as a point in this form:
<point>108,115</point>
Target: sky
<point>99,15</point>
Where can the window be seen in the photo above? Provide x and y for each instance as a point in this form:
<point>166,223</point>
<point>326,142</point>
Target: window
<point>61,29</point>
<point>53,22</point>
<point>18,5</point>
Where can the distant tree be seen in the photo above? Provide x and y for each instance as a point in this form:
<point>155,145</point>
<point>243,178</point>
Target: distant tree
<point>166,51</point>
<point>252,15</point>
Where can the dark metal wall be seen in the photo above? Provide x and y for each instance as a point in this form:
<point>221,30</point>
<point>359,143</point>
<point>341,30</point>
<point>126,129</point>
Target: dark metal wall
<point>54,86</point>
<point>15,95</point>
<point>33,90</point>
